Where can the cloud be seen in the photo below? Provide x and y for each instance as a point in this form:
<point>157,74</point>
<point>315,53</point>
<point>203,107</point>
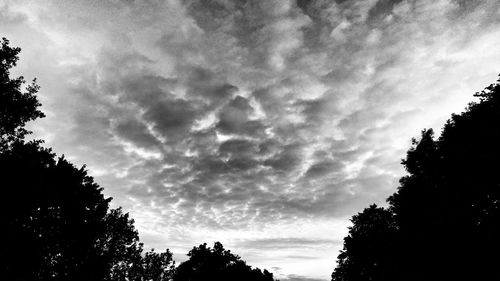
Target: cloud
<point>234,118</point>
<point>277,243</point>
<point>293,277</point>
<point>226,116</point>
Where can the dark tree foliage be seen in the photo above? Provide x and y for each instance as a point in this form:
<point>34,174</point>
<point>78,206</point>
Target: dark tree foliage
<point>369,248</point>
<point>57,226</point>
<point>123,255</point>
<point>16,107</point>
<point>157,266</point>
<point>54,217</point>
<point>216,263</point>
<point>56,223</point>
<point>446,211</point>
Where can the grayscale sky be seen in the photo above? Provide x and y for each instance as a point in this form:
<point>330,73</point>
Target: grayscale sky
<point>261,124</point>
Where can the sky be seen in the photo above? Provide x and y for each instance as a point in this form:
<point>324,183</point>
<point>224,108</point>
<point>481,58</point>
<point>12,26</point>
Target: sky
<point>264,125</point>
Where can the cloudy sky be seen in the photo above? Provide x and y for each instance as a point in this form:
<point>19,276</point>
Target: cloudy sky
<point>261,124</point>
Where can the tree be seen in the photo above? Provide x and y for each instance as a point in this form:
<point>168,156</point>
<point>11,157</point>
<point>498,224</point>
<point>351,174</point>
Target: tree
<point>157,266</point>
<point>56,222</point>
<point>469,151</point>
<point>216,263</point>
<point>446,211</point>
<point>53,215</point>
<point>16,107</point>
<point>419,208</point>
<point>369,248</point>
<point>151,266</point>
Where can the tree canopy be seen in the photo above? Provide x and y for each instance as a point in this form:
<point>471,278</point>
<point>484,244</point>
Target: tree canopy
<point>369,247</point>
<point>443,223</point>
<point>16,106</point>
<point>217,263</point>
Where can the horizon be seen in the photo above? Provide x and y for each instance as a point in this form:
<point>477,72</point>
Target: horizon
<point>264,126</point>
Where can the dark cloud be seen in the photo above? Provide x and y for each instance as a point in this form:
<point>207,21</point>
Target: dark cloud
<point>269,147</point>
<point>381,10</point>
<point>322,168</point>
<point>316,110</point>
<point>136,132</point>
<point>286,160</point>
<point>237,147</point>
<point>203,83</point>
<point>172,118</point>
<point>234,118</point>
<point>141,88</point>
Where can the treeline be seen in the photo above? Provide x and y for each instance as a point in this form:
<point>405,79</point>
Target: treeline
<point>56,223</point>
<point>443,223</point>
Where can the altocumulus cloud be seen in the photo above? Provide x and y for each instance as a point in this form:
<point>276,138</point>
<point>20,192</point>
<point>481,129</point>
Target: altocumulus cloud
<point>263,124</point>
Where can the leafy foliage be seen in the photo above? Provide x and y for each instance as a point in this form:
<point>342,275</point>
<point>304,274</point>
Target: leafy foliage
<point>216,263</point>
<point>369,248</point>
<point>446,211</point>
<point>57,214</point>
<point>16,107</point>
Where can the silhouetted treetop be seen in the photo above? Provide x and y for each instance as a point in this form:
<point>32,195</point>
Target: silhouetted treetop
<point>16,107</point>
<point>368,251</point>
<point>446,211</point>
<point>217,263</point>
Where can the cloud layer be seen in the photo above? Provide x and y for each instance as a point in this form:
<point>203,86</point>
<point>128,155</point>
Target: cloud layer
<point>263,124</point>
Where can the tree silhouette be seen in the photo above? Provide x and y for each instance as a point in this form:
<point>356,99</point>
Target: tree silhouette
<point>157,266</point>
<point>216,263</point>
<point>446,211</point>
<point>56,223</point>
<point>16,107</point>
<point>369,248</point>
